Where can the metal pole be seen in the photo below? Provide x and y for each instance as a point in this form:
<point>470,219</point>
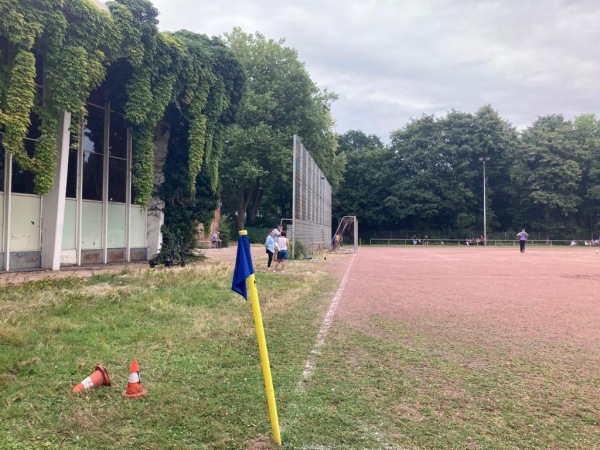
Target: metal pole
<point>483,160</point>
<point>484,208</point>
<point>294,174</point>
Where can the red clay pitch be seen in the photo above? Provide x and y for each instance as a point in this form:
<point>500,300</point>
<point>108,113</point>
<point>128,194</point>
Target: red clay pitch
<point>482,293</point>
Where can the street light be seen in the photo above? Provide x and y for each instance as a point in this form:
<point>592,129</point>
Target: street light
<point>483,160</point>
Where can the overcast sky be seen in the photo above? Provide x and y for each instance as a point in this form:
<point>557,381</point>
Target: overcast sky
<point>393,60</point>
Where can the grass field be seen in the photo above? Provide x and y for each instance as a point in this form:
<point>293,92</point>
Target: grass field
<point>387,381</point>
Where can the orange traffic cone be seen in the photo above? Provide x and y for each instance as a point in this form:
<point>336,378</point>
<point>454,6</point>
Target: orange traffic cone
<point>98,378</point>
<point>134,385</point>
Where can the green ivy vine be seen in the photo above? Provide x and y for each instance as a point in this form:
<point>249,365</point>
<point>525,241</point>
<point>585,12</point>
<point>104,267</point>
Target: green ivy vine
<point>19,102</point>
<point>78,44</point>
<point>74,39</point>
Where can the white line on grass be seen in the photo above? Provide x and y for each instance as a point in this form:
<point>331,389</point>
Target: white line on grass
<point>309,367</point>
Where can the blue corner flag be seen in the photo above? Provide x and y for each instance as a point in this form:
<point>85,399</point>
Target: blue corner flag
<point>243,266</point>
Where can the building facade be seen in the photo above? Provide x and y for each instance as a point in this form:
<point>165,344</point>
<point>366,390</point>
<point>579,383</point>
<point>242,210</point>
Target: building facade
<point>89,216</point>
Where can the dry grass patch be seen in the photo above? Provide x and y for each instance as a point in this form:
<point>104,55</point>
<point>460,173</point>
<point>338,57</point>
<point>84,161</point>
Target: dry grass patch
<point>102,289</point>
<point>59,324</point>
<point>210,327</point>
<point>26,302</point>
<point>12,336</point>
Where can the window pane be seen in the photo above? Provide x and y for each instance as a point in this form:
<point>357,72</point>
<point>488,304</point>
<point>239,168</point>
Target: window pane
<point>92,176</point>
<point>72,168</point>
<point>97,96</point>
<point>22,180</point>
<point>118,136</point>
<point>33,132</point>
<point>93,147</point>
<point>72,174</point>
<point>93,131</point>
<point>117,180</point>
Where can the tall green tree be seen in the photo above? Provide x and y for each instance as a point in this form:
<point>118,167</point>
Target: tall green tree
<point>365,179</point>
<point>494,138</point>
<point>458,143</point>
<point>587,136</point>
<point>548,170</point>
<point>429,191</point>
<point>434,178</point>
<point>366,184</point>
<point>358,141</point>
<point>280,100</point>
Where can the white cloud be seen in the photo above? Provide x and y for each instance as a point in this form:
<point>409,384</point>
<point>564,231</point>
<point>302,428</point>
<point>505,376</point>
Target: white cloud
<point>390,61</point>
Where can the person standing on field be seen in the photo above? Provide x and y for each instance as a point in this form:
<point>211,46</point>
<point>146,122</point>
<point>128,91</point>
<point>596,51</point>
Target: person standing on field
<point>522,239</point>
<point>281,245</point>
<point>270,247</point>
<point>276,233</point>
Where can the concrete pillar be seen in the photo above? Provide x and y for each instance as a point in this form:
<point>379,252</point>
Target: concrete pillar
<point>53,203</point>
<point>7,209</point>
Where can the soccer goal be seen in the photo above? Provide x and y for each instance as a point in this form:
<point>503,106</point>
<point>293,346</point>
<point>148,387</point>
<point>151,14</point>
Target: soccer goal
<point>345,238</point>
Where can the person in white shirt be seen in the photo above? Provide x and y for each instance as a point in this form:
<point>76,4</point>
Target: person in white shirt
<point>276,235</point>
<point>281,245</point>
<point>522,239</point>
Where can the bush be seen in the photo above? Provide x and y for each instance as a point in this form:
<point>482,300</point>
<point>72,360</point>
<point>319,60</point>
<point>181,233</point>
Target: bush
<point>298,249</point>
<point>170,253</point>
<point>257,235</point>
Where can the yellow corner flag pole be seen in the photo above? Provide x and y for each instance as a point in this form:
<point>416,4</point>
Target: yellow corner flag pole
<point>245,270</point>
<point>264,358</point>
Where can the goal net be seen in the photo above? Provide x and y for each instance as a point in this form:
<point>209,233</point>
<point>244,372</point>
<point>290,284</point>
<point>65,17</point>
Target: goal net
<point>345,238</point>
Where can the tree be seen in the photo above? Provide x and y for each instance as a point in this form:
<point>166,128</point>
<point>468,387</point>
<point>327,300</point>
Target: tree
<point>587,136</point>
<point>495,138</point>
<point>357,141</point>
<point>429,191</point>
<point>280,100</point>
<point>367,182</point>
<point>548,171</point>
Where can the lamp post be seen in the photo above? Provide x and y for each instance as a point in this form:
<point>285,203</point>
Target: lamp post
<point>483,160</point>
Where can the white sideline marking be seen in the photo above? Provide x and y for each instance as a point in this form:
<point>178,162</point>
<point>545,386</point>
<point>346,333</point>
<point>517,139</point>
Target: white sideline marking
<point>309,366</point>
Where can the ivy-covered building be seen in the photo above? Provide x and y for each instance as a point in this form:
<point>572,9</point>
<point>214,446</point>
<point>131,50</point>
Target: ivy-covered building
<point>92,97</point>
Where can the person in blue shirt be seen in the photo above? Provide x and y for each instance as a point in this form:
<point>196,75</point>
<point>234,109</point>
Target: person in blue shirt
<point>270,247</point>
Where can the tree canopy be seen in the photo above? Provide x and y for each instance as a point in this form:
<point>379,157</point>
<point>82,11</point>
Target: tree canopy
<point>358,141</point>
<point>280,100</point>
<point>429,178</point>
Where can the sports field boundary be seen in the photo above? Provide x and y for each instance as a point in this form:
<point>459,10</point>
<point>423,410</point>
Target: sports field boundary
<point>326,325</point>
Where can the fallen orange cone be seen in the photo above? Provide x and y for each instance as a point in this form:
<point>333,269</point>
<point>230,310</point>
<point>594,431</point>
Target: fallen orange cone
<point>98,378</point>
<point>134,385</point>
